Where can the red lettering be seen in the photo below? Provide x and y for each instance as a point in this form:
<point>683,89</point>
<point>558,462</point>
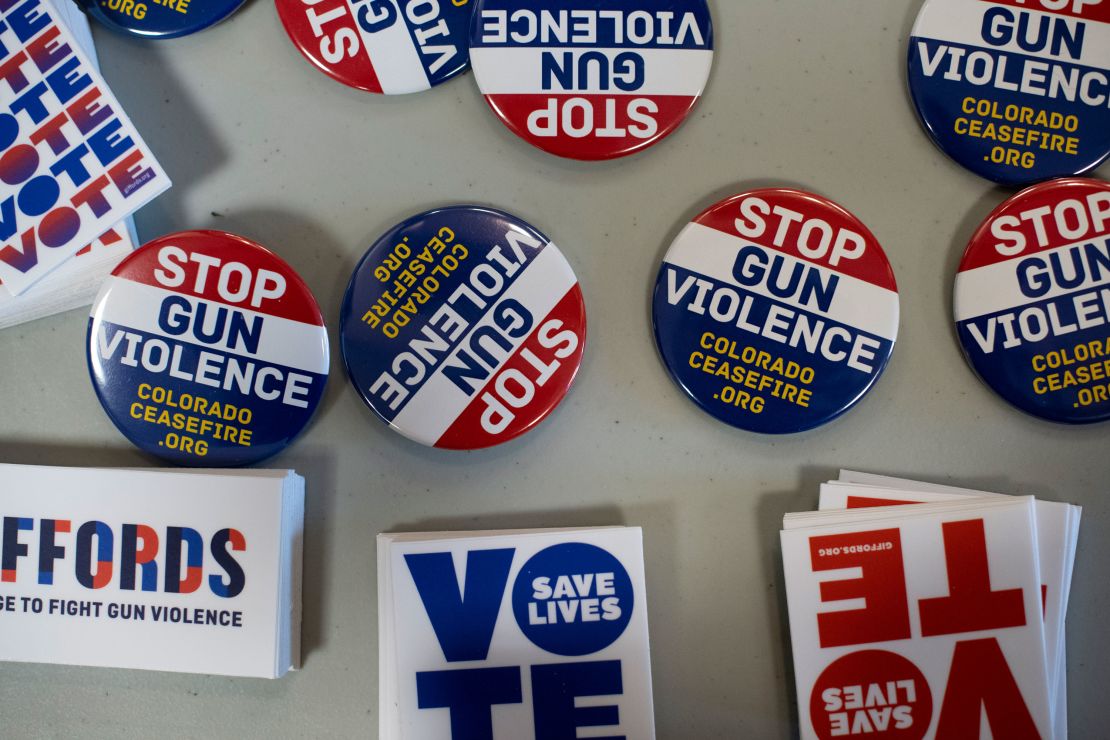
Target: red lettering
<point>149,550</point>
<point>92,195</point>
<point>43,55</point>
<point>971,606</point>
<point>882,586</point>
<point>981,679</point>
<point>192,580</point>
<point>867,502</point>
<point>51,132</point>
<point>111,236</point>
<point>22,260</point>
<point>11,73</point>
<point>103,575</point>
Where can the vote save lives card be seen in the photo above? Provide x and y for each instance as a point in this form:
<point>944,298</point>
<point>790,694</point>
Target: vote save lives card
<point>919,621</point>
<point>514,635</point>
<point>1057,539</point>
<point>71,161</point>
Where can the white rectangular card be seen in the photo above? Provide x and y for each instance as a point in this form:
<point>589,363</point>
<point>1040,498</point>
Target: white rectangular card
<point>161,570</point>
<point>924,617</point>
<point>525,635</point>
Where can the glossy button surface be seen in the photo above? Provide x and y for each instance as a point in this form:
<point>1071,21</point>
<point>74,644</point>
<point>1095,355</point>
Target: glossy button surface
<point>163,19</point>
<point>1032,301</point>
<point>594,79</point>
<point>775,311</point>
<point>382,46</point>
<point>208,350</point>
<point>1014,91</point>
<point>463,327</point>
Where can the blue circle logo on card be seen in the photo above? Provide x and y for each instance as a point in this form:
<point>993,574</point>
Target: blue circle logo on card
<point>573,599</point>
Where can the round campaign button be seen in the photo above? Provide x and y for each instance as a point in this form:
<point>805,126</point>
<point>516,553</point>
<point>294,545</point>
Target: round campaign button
<point>382,46</point>
<point>1014,90</point>
<point>463,327</point>
<point>592,79</point>
<point>1032,301</point>
<point>207,350</point>
<point>775,310</point>
<point>161,19</point>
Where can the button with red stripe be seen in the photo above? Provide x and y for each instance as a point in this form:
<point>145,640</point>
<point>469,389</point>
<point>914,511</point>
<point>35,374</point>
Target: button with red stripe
<point>463,327</point>
<point>775,311</point>
<point>592,79</point>
<point>393,47</point>
<point>1032,301</point>
<point>207,349</point>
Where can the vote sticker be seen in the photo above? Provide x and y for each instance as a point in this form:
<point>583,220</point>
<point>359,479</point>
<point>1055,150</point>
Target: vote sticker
<point>206,349</point>
<point>382,46</point>
<point>463,327</point>
<point>775,311</point>
<point>1014,90</point>
<point>1032,301</point>
<point>573,599</point>
<point>162,19</point>
<point>592,79</point>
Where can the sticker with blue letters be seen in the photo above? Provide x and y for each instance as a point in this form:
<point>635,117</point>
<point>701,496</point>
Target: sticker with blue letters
<point>538,635</point>
<point>1032,301</point>
<point>463,327</point>
<point>208,350</point>
<point>1017,91</point>
<point>161,19</point>
<point>775,311</point>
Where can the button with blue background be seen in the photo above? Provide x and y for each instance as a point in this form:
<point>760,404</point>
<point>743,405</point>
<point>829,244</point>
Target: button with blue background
<point>1015,91</point>
<point>161,19</point>
<point>1032,301</point>
<point>775,311</point>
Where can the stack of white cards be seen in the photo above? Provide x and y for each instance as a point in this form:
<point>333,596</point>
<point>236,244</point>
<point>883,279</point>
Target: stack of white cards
<point>196,571</point>
<point>514,635</point>
<point>919,610</point>
<point>50,264</point>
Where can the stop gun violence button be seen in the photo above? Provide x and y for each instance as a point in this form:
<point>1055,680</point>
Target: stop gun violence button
<point>1017,91</point>
<point>463,327</point>
<point>775,311</point>
<point>206,349</point>
<point>592,79</point>
<point>1032,301</point>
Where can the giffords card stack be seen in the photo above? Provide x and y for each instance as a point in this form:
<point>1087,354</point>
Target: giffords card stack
<point>514,635</point>
<point>196,571</point>
<point>928,611</point>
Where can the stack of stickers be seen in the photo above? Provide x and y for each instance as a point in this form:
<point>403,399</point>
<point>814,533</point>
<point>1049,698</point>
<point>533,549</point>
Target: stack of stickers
<point>919,610</point>
<point>514,635</point>
<point>73,166</point>
<point>196,572</point>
